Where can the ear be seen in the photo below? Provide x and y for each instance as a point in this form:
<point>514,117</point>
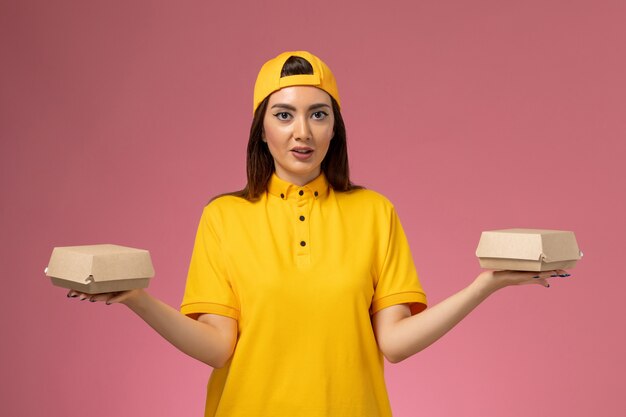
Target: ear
<point>263,135</point>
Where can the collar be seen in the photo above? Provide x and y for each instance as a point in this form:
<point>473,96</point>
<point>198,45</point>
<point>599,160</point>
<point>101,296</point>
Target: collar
<point>284,190</point>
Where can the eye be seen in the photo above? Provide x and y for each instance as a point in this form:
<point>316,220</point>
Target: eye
<point>320,115</point>
<point>283,115</point>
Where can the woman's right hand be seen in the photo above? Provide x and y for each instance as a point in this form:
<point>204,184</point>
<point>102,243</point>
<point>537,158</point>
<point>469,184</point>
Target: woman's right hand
<point>108,298</point>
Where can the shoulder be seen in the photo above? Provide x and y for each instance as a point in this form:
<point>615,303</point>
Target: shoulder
<point>366,206</point>
<point>225,206</point>
<point>227,202</point>
<point>364,197</point>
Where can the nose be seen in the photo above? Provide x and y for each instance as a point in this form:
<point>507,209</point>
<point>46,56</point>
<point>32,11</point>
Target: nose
<point>301,129</point>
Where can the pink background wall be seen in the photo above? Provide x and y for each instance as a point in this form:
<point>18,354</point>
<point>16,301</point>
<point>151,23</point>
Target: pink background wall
<point>119,120</point>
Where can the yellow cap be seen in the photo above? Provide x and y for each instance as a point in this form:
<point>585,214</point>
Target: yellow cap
<point>269,79</point>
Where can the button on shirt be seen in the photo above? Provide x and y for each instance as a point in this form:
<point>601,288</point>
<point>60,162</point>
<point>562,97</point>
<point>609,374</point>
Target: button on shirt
<point>301,270</point>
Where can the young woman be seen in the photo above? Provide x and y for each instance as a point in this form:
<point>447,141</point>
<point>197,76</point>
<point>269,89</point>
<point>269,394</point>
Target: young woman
<point>301,282</point>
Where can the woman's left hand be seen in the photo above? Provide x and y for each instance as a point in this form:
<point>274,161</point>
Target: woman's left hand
<point>495,280</point>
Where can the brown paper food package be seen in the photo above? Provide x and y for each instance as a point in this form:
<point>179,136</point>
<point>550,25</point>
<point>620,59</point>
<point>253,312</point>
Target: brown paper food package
<point>94,269</point>
<point>528,250</point>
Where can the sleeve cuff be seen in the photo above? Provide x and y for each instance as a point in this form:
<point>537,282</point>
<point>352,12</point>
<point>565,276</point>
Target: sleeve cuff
<point>192,309</point>
<point>416,300</point>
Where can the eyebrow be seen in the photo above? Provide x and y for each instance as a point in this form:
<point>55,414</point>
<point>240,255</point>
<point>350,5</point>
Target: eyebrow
<point>292,108</point>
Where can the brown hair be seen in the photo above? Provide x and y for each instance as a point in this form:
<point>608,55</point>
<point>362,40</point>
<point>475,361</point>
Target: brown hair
<point>259,160</point>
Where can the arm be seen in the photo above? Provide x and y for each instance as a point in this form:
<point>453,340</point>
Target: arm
<point>401,335</point>
<point>210,339</point>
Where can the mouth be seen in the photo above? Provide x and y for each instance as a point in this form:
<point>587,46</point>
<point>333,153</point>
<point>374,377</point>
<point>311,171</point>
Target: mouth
<point>302,153</point>
<point>302,150</point>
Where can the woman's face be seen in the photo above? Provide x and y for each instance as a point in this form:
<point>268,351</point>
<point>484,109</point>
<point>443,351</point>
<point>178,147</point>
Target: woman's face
<point>298,127</point>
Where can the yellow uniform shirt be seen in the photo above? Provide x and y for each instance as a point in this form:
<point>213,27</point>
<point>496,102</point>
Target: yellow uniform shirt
<point>301,270</point>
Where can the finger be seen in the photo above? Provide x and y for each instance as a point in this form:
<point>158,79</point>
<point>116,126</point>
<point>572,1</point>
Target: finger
<point>543,281</point>
<point>559,273</point>
<point>546,274</point>
<point>542,278</point>
<point>99,297</point>
<point>112,298</point>
<point>116,297</point>
<point>563,273</point>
